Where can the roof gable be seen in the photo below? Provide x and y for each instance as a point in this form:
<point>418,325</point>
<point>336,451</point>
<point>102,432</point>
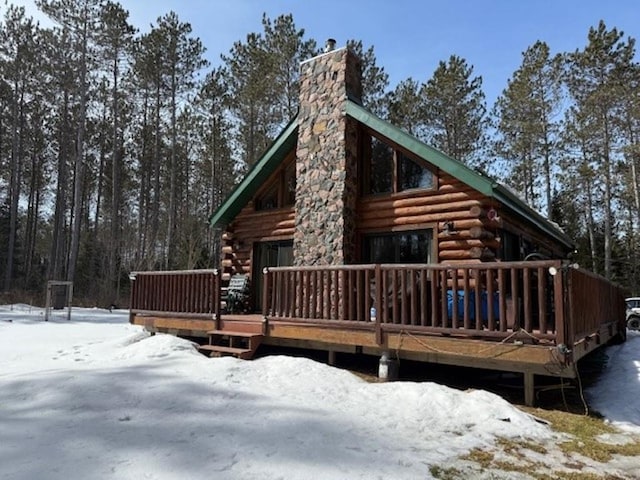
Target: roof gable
<point>276,153</point>
<point>457,169</point>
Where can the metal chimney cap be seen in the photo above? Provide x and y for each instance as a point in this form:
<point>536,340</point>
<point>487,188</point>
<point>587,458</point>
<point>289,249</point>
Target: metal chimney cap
<point>330,45</point>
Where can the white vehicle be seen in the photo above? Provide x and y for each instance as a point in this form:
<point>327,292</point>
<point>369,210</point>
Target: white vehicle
<point>633,313</point>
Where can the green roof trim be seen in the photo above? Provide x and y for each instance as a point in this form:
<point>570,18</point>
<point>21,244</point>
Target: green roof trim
<point>457,169</point>
<point>257,175</point>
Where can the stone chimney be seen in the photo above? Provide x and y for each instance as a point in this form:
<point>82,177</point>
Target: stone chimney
<point>326,163</point>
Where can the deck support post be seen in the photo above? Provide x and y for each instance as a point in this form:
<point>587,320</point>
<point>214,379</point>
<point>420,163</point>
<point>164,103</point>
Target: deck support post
<point>331,357</point>
<point>387,368</point>
<point>529,392</point>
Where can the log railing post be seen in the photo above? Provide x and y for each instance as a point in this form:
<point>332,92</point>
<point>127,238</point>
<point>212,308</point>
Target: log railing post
<point>266,279</point>
<point>133,296</point>
<point>217,298</point>
<point>378,304</point>
<point>570,309</point>
<point>558,302</point>
<point>527,302</point>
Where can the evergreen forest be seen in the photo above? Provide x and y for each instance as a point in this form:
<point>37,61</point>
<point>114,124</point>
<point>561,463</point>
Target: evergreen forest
<point>117,146</point>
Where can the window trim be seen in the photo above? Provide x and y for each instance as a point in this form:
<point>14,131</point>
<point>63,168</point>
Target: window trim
<point>419,227</point>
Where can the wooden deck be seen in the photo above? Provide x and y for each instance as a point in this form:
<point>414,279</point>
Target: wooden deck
<point>536,318</point>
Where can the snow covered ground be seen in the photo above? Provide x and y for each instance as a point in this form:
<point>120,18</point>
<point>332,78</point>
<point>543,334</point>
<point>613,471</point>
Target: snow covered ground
<point>97,398</point>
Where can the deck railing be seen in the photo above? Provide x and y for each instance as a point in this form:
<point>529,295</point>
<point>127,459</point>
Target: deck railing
<point>481,300</point>
<point>536,300</point>
<point>593,301</point>
<point>179,293</point>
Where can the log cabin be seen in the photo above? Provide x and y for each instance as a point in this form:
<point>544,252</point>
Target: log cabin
<point>355,236</point>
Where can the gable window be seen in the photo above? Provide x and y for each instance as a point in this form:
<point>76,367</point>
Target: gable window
<point>411,175</point>
<point>413,246</point>
<point>280,192</point>
<point>269,199</point>
<point>381,165</point>
<point>389,170</point>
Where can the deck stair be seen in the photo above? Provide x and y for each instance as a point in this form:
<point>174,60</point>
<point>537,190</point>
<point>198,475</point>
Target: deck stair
<point>242,345</point>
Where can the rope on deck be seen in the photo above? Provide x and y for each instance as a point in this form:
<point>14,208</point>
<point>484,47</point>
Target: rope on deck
<point>437,350</point>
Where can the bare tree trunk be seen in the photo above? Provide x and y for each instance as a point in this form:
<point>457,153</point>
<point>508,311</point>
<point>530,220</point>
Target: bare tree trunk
<point>35,198</point>
<point>32,216</point>
<point>79,157</point>
<point>100,179</point>
<point>155,207</point>
<point>114,244</point>
<point>546,165</point>
<point>590,228</point>
<point>608,241</point>
<point>56,265</point>
<point>171,221</point>
<point>14,183</point>
<point>145,185</point>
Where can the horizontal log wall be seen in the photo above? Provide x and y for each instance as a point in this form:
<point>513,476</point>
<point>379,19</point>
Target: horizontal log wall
<point>474,237</point>
<point>252,226</point>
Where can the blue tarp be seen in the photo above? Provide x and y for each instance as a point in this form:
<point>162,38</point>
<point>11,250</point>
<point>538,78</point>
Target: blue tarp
<point>472,305</point>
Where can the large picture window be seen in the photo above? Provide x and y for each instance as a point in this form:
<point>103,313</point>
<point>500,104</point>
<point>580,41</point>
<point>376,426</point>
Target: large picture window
<point>389,170</point>
<point>399,247</point>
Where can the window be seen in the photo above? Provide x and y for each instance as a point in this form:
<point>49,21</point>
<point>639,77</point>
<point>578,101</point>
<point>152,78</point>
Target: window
<point>269,199</point>
<point>509,250</point>
<point>411,175</point>
<point>269,254</point>
<point>281,192</point>
<point>401,247</point>
<point>380,180</point>
<point>388,170</point>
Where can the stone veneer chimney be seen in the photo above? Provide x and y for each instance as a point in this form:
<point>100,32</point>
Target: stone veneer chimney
<point>326,163</point>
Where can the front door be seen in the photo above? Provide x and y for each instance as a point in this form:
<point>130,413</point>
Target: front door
<point>269,254</point>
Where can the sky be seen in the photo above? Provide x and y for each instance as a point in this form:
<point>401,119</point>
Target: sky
<point>410,37</point>
<point>96,398</point>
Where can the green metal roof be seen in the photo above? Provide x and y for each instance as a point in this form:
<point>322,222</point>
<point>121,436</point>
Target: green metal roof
<point>261,170</point>
<point>457,169</point>
<point>276,153</point>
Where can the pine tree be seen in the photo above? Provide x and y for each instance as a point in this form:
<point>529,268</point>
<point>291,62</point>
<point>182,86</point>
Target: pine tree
<point>455,110</point>
<point>184,59</point>
<point>262,78</point>
<point>115,40</point>
<point>247,72</point>
<point>404,107</point>
<point>526,123</point>
<point>286,48</point>
<point>148,78</point>
<point>18,50</point>
<point>595,78</point>
<point>216,165</point>
<point>375,80</point>
<point>79,19</point>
